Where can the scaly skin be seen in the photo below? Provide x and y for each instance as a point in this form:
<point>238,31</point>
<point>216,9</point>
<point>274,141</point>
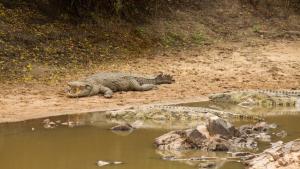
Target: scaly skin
<point>107,83</point>
<point>268,98</point>
<point>177,113</point>
<point>288,93</point>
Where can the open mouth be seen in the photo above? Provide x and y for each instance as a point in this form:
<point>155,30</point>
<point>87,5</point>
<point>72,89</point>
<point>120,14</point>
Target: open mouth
<point>75,90</point>
<point>78,90</point>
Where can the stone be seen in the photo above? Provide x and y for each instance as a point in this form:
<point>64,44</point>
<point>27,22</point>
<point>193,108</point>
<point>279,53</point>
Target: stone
<point>101,163</point>
<point>295,147</point>
<point>281,134</point>
<point>46,121</point>
<point>195,137</point>
<point>218,144</point>
<point>246,129</point>
<point>202,129</point>
<point>244,143</point>
<point>264,137</point>
<point>122,127</point>
<point>209,164</point>
<point>48,124</point>
<point>217,135</point>
<point>70,124</point>
<point>241,154</point>
<point>172,141</point>
<point>261,127</point>
<point>219,126</point>
<point>281,156</point>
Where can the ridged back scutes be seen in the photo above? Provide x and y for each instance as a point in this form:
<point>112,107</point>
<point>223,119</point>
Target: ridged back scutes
<point>281,92</point>
<point>207,110</point>
<point>159,79</point>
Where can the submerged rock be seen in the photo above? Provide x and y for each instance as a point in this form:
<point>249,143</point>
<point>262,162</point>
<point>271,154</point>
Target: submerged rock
<point>218,144</point>
<point>209,164</point>
<point>244,143</point>
<point>70,124</point>
<point>279,156</point>
<point>259,131</point>
<point>122,127</point>
<point>48,124</point>
<point>248,155</point>
<point>281,134</point>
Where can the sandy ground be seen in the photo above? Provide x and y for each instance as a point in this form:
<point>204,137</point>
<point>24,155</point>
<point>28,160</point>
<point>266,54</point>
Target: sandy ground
<point>252,64</point>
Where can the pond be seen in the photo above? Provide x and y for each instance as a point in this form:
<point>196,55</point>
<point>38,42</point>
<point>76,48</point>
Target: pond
<point>28,145</point>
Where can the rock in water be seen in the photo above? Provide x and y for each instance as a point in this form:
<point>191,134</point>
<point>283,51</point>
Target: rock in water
<point>279,156</point>
<point>219,126</point>
<point>218,144</point>
<point>172,141</point>
<point>207,164</point>
<point>195,136</point>
<point>122,127</point>
<point>217,135</point>
<point>281,134</point>
<point>101,163</point>
<point>48,124</point>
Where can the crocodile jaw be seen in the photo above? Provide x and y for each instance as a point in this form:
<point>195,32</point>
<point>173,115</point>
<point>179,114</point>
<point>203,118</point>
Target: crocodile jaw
<point>78,89</point>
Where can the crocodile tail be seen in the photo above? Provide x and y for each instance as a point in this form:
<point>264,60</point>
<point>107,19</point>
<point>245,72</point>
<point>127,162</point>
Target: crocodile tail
<point>164,79</point>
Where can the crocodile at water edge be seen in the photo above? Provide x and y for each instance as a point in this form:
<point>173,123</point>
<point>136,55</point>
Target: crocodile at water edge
<point>268,98</point>
<point>162,112</point>
<point>107,83</point>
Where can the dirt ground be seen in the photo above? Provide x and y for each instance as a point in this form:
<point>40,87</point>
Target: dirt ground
<point>251,64</point>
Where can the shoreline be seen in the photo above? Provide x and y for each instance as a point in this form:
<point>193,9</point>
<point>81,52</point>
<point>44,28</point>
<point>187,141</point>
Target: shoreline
<point>232,66</point>
<point>34,116</point>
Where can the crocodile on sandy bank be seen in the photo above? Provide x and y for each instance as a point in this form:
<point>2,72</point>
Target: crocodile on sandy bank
<point>107,83</point>
<point>266,98</point>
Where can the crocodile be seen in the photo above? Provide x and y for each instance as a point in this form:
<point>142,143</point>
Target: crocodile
<point>107,83</point>
<point>267,98</point>
<point>164,112</point>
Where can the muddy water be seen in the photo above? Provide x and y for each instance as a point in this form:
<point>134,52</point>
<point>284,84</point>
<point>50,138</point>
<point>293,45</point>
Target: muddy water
<point>78,148</point>
<point>28,145</point>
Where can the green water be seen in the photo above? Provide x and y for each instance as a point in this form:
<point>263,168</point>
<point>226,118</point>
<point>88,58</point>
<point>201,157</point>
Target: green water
<point>27,145</point>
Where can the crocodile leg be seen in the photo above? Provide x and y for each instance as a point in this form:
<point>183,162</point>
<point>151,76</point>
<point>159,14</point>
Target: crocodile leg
<point>107,92</point>
<point>137,87</point>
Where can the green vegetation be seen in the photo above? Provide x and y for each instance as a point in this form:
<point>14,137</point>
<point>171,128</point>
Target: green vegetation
<point>172,39</point>
<point>198,38</point>
<point>256,28</point>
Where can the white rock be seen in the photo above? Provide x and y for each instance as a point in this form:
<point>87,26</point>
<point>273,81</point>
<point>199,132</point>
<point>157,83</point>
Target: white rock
<point>102,163</point>
<point>117,162</point>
